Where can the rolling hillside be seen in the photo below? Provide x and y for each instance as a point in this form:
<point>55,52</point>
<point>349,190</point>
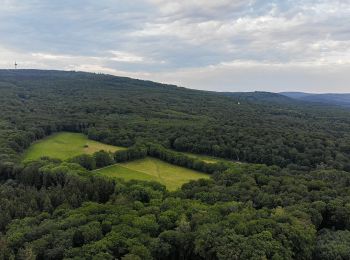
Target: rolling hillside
<point>288,200</point>
<point>330,99</point>
<point>121,111</point>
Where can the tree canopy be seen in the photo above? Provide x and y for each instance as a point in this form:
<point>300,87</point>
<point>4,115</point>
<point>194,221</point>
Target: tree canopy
<point>290,199</point>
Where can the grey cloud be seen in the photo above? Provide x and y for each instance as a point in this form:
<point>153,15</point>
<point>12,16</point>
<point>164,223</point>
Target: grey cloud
<point>238,44</point>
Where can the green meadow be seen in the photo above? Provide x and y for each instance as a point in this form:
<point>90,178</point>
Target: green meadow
<point>209,159</point>
<point>65,145</point>
<point>152,169</point>
<point>204,158</point>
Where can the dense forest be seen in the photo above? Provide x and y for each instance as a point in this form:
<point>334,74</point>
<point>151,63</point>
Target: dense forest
<point>289,200</point>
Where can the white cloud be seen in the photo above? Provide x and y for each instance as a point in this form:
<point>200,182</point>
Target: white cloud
<point>126,57</point>
<point>184,8</point>
<point>179,40</point>
<point>51,56</point>
<point>252,76</point>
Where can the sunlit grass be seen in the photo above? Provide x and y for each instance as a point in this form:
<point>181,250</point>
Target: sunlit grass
<point>151,169</point>
<point>65,145</point>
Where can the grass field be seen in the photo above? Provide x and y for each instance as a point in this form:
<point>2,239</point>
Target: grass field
<point>151,169</point>
<point>204,158</point>
<point>65,145</point>
<point>208,159</point>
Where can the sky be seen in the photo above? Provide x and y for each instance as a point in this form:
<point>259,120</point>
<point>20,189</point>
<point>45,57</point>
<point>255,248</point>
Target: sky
<point>220,45</point>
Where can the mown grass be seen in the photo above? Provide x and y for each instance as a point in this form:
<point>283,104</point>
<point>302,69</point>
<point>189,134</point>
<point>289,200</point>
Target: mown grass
<point>65,145</point>
<point>152,169</point>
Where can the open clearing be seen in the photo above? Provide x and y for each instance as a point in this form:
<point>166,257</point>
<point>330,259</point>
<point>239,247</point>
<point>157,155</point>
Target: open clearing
<point>208,159</point>
<point>151,169</point>
<point>204,158</point>
<point>65,145</point>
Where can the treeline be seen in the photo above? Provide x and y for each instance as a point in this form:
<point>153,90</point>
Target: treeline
<point>46,185</point>
<point>17,141</point>
<point>257,144</point>
<point>148,149</point>
<point>184,160</point>
<point>102,158</point>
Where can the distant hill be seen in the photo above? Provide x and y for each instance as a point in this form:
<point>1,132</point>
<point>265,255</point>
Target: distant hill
<point>260,96</point>
<point>330,99</point>
<point>253,127</point>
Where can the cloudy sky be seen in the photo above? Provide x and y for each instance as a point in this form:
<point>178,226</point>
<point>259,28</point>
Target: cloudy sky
<point>223,45</point>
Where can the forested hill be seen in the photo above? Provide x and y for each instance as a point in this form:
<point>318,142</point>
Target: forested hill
<point>297,206</point>
<point>260,96</point>
<point>123,111</point>
<point>330,99</point>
